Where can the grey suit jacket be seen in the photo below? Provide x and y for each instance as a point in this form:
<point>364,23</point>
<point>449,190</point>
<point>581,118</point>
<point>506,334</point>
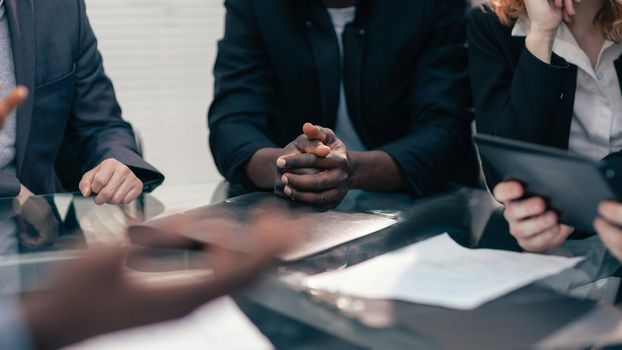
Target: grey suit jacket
<point>72,100</point>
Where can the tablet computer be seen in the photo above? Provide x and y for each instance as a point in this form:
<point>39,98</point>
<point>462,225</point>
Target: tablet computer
<point>572,185</point>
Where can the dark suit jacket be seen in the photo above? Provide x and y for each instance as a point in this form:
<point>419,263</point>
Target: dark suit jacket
<point>72,99</point>
<point>517,95</point>
<point>405,76</point>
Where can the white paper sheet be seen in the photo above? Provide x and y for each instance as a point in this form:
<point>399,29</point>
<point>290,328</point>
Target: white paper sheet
<point>440,272</point>
<point>218,325</point>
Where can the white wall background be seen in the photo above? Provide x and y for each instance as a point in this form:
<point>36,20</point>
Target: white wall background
<point>159,54</point>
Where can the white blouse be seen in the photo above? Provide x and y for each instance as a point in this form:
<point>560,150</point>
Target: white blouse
<point>596,129</point>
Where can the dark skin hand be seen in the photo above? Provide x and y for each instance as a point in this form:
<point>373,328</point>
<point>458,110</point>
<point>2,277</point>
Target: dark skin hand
<point>263,171</point>
<point>95,294</point>
<point>319,170</point>
<point>331,184</point>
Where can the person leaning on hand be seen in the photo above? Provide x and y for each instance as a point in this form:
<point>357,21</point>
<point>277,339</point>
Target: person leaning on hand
<point>49,47</point>
<point>547,72</point>
<point>317,97</point>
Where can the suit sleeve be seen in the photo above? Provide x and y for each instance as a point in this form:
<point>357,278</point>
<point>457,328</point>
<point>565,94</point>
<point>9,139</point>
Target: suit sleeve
<point>243,94</point>
<point>96,127</point>
<point>519,102</point>
<point>439,102</point>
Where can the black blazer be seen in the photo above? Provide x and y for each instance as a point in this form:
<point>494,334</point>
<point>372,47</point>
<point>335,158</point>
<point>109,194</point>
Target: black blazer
<point>517,95</point>
<point>71,98</point>
<point>405,77</point>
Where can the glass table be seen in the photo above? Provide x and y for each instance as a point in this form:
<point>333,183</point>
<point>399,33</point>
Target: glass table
<point>574,309</point>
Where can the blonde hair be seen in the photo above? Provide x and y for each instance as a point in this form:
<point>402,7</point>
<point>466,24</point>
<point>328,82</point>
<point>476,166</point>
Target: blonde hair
<point>609,18</point>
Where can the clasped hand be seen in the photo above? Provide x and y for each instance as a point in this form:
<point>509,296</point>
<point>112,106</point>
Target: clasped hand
<point>314,169</point>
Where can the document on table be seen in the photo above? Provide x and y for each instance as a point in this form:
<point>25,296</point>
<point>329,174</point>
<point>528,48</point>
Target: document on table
<point>440,272</point>
<point>218,325</point>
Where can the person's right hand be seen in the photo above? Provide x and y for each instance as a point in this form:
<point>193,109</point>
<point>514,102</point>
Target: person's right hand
<point>545,17</point>
<point>535,227</point>
<point>96,294</point>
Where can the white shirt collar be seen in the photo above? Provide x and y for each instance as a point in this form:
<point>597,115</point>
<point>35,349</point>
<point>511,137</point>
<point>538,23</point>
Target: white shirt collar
<point>565,44</point>
<point>521,27</point>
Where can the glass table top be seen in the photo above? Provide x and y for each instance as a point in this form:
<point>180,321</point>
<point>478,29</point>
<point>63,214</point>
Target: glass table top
<point>39,232</point>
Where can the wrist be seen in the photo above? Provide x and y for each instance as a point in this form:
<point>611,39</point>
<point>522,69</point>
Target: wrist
<point>540,43</point>
<point>375,171</point>
<point>355,164</point>
<point>261,168</point>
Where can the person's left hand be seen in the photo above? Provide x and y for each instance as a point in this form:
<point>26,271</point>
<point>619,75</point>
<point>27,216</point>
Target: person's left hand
<point>112,182</point>
<point>609,227</point>
<point>326,188</point>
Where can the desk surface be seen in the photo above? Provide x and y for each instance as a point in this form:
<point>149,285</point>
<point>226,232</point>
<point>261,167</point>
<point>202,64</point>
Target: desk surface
<point>573,309</point>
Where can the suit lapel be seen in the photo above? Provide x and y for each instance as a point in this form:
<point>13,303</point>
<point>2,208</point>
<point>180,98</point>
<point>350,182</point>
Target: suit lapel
<point>21,24</point>
<point>325,50</point>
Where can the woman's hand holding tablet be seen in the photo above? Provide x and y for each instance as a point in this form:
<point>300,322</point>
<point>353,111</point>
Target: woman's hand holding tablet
<point>532,223</point>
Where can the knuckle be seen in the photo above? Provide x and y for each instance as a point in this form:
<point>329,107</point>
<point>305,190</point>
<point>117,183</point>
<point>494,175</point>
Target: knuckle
<point>106,194</point>
<point>99,180</point>
<point>319,183</point>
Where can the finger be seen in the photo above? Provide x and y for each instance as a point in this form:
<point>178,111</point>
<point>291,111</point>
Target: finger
<point>569,8</point>
<point>534,226</point>
<point>13,100</point>
<point>118,177</point>
<point>610,235</point>
<point>519,210</point>
<point>321,199</point>
<point>126,186</point>
<point>543,241</point>
<point>508,191</point>
<point>132,194</point>
<point>559,3</point>
<point>305,145</point>
<point>103,173</point>
<point>567,18</point>
<point>306,160</point>
<point>86,183</point>
<point>316,183</point>
<point>611,211</point>
<point>300,171</point>
<point>314,132</point>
